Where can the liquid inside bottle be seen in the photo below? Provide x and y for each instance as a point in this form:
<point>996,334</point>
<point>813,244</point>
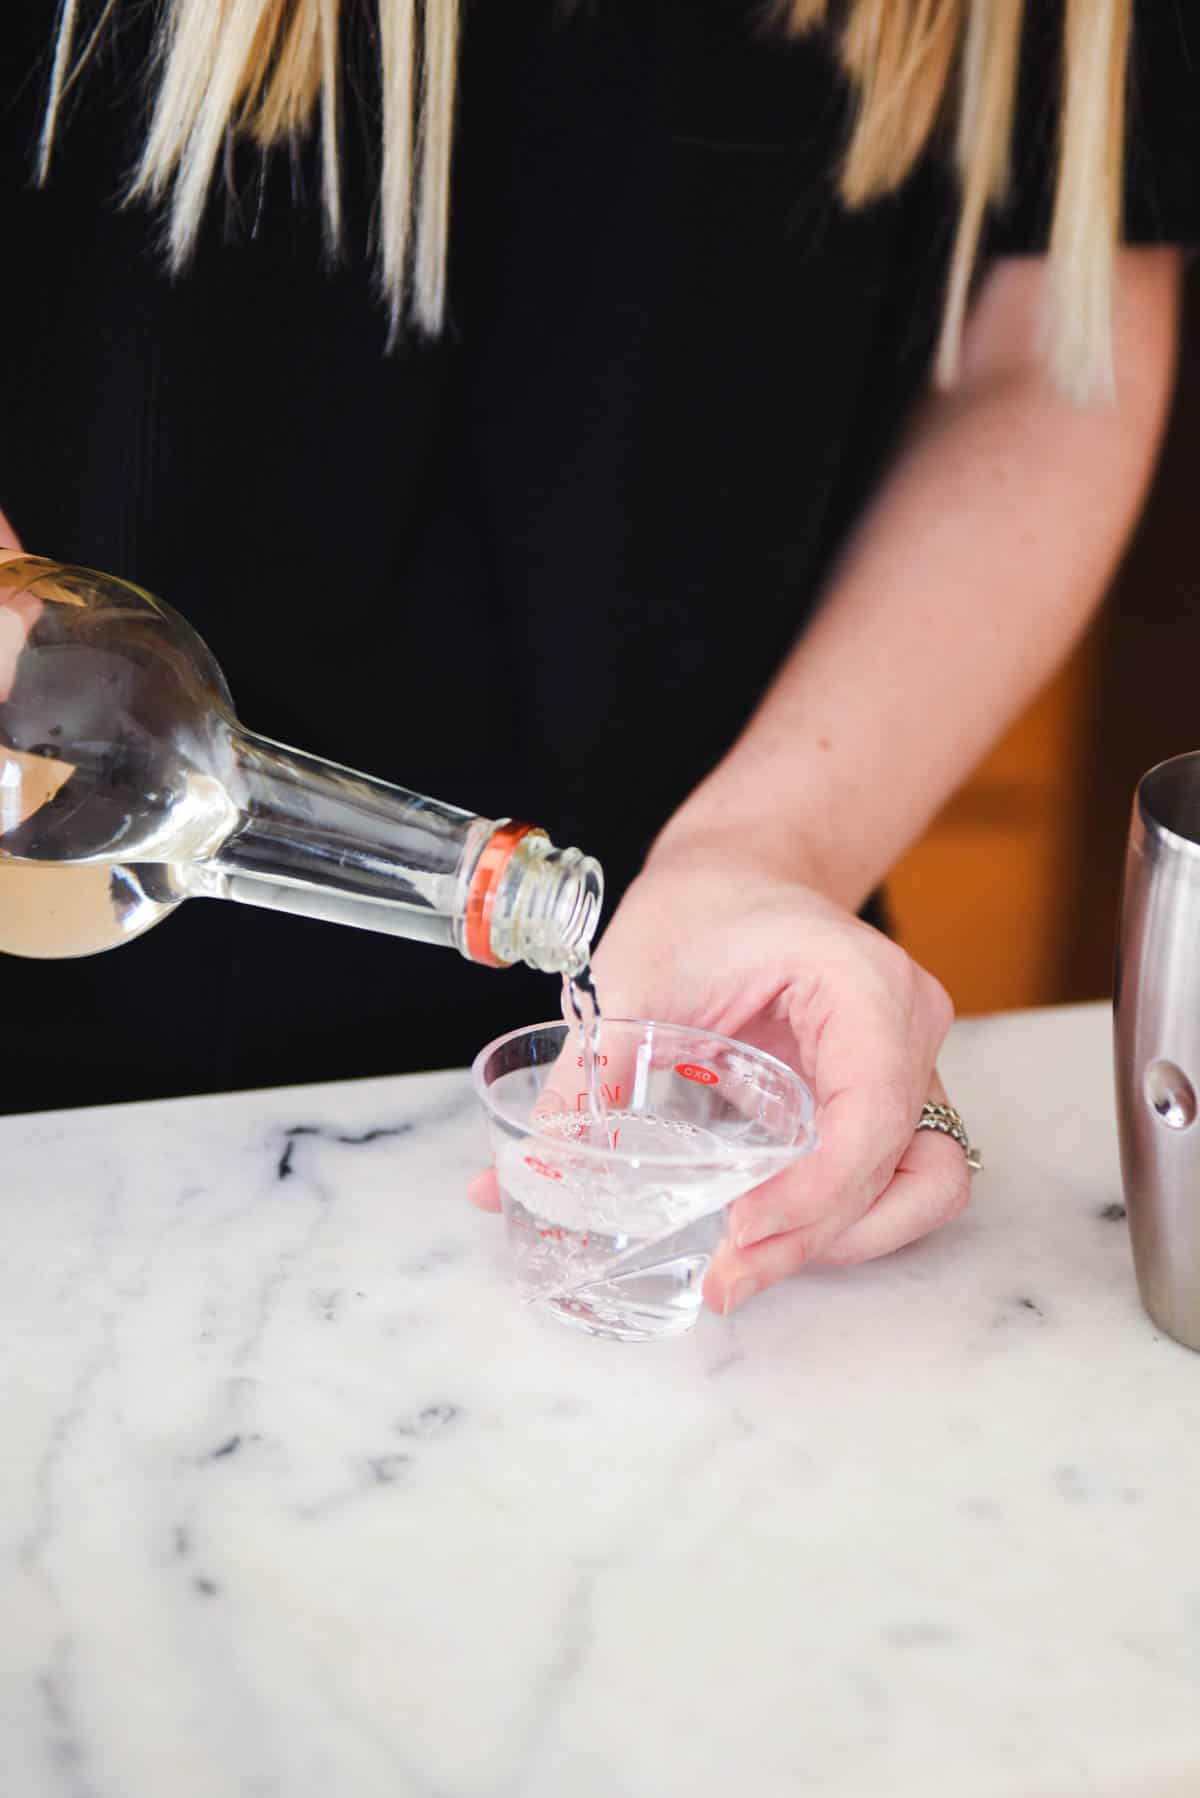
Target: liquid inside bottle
<point>48,911</point>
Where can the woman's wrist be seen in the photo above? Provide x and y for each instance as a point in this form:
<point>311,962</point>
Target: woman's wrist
<point>709,829</point>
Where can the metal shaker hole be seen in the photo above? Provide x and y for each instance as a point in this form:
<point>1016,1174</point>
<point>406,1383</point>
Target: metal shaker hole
<point>1170,1094</point>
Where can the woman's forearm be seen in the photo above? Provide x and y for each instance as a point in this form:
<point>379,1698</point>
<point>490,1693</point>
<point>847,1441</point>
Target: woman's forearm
<point>970,575</point>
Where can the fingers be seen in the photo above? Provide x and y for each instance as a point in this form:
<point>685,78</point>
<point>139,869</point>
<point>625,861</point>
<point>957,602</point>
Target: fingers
<point>863,1131</point>
<point>931,1186</point>
<point>872,1039</point>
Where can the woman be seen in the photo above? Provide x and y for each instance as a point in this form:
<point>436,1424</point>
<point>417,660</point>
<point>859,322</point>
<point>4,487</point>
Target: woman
<point>650,526</point>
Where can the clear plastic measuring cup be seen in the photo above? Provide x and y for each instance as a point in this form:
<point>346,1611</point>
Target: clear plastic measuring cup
<point>613,1234</point>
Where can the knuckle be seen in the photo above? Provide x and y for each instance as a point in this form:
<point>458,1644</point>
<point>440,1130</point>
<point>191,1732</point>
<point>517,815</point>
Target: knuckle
<point>914,986</point>
<point>895,966</point>
<point>938,1005</point>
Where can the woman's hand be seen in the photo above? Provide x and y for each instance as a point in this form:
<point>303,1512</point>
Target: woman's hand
<point>706,937</point>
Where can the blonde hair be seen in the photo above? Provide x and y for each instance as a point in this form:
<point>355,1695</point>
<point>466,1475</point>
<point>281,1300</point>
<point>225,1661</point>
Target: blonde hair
<point>264,68</point>
<point>912,61</point>
<point>261,69</point>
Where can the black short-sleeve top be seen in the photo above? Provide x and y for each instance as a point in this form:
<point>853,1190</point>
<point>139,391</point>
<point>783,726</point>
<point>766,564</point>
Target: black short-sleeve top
<point>542,567</point>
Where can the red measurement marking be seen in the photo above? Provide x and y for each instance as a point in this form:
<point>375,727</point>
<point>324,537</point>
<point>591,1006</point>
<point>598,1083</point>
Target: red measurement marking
<point>543,1168</point>
<point>610,1094</point>
<point>601,1061</point>
<point>690,1071</point>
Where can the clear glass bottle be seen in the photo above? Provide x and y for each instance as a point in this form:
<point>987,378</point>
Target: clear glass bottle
<point>127,785</point>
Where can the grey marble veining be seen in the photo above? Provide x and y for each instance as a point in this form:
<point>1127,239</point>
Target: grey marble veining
<point>297,1499</point>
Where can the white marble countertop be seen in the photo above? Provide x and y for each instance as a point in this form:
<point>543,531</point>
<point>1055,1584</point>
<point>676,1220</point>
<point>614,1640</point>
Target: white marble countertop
<point>296,1499</point>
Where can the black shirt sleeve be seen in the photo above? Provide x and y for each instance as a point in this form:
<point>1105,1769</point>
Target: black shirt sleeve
<point>1162,150</point>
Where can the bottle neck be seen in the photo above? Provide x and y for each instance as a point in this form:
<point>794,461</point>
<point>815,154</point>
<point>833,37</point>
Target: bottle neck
<point>312,838</point>
<point>545,905</point>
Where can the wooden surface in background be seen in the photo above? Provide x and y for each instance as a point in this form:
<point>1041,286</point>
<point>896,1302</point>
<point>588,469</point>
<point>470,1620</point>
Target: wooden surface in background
<point>1012,897</point>
<point>981,900</point>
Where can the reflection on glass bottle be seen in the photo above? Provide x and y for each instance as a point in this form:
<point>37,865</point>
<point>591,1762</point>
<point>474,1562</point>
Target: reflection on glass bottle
<point>127,786</point>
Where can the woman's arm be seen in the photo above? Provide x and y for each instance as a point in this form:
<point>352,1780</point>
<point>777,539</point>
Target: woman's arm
<point>983,555</point>
<point>989,543</point>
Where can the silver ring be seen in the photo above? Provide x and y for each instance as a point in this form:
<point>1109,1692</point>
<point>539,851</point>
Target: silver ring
<point>945,1119</point>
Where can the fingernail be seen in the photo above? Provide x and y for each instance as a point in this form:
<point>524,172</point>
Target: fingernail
<point>738,1293</point>
<point>770,1224</point>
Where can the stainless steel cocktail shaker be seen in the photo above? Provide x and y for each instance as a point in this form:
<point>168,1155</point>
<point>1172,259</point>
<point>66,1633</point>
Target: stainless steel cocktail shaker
<point>1157,1044</point>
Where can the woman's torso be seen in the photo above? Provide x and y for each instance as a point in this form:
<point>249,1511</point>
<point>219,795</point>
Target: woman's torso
<point>543,567</point>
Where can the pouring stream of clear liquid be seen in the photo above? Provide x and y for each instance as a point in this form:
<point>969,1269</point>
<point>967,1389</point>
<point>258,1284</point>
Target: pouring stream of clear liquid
<point>580,993</point>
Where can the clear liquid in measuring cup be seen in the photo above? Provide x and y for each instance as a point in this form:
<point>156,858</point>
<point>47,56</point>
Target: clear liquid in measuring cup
<point>610,1248</point>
